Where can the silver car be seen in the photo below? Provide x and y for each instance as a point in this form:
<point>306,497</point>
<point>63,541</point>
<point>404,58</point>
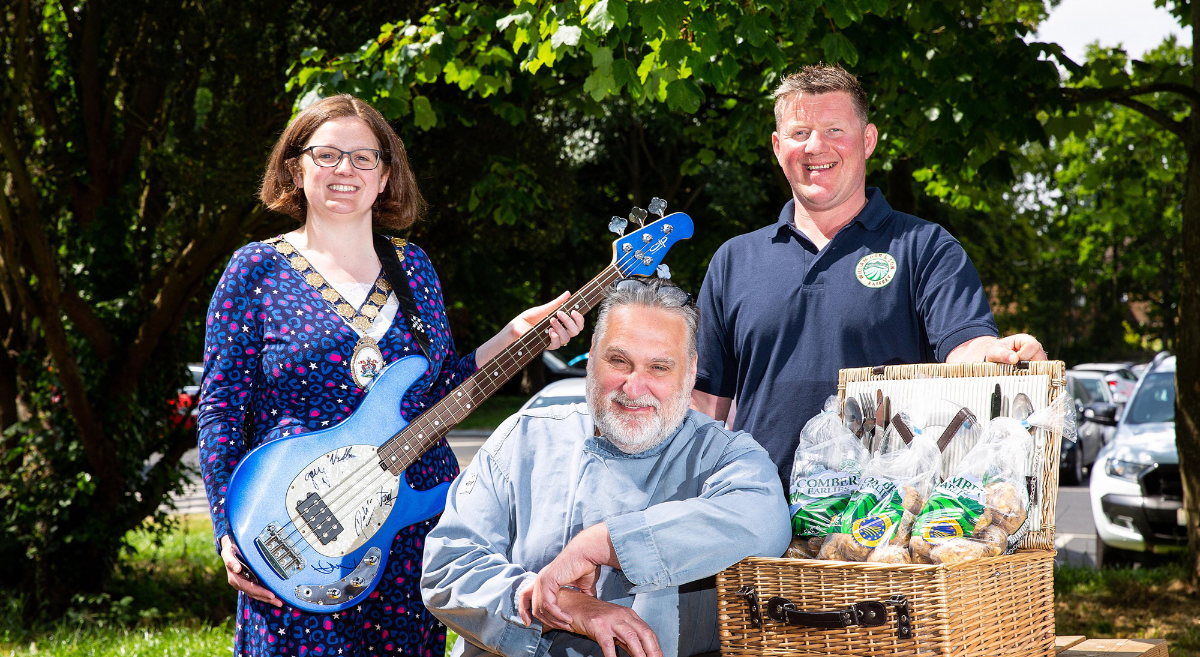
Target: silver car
<point>1136,490</point>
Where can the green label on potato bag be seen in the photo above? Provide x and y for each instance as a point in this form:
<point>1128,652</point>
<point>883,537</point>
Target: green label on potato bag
<point>952,510</point>
<point>817,499</point>
<point>873,510</point>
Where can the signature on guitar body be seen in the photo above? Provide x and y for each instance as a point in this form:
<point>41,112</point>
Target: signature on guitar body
<point>314,514</point>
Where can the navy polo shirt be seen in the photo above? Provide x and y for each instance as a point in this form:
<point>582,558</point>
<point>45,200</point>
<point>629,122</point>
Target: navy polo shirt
<point>779,318</point>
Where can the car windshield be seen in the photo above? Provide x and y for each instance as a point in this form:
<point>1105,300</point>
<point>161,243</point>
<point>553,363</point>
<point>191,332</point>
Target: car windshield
<point>554,401</point>
<point>1155,400</point>
<point>1089,390</point>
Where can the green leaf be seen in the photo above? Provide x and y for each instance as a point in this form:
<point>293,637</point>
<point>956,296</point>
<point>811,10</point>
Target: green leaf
<point>674,52</point>
<point>839,49</point>
<point>755,28</point>
<point>685,95</point>
<point>624,75</point>
<point>843,12</point>
<point>520,19</point>
<point>566,35</point>
<point>602,59</point>
<point>423,114</point>
<point>607,14</point>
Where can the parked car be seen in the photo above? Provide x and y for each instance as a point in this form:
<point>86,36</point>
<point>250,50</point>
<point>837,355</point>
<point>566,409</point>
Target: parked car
<point>557,368</point>
<point>1118,376</point>
<point>1136,489</point>
<point>183,407</point>
<point>564,391</point>
<point>1097,422</point>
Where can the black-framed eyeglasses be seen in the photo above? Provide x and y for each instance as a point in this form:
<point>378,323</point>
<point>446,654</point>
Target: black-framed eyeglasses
<point>364,159</point>
<point>660,287</point>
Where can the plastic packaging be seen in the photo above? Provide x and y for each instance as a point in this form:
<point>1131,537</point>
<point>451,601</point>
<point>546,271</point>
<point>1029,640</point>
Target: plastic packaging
<point>826,471</point>
<point>877,522</point>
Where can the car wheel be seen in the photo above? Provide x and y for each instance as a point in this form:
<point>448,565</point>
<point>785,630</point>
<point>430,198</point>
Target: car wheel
<point>1111,557</point>
<point>1072,470</point>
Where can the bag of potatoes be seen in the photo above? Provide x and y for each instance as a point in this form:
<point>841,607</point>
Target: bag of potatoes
<point>877,521</point>
<point>982,509</point>
<point>826,471</point>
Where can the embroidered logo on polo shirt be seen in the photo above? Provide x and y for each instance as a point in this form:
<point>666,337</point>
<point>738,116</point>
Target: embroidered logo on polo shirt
<point>876,270</point>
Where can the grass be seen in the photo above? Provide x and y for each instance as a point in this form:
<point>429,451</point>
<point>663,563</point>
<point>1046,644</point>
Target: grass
<point>169,597</point>
<point>492,412</point>
<point>1144,603</point>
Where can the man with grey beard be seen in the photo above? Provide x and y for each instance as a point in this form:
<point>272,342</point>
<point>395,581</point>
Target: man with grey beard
<point>583,529</point>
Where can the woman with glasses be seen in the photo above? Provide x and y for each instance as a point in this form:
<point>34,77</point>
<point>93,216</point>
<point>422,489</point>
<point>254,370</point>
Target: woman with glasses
<point>298,326</point>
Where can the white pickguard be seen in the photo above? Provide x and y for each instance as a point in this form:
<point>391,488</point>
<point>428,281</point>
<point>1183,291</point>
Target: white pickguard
<point>357,491</point>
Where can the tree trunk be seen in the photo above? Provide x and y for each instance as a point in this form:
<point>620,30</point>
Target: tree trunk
<point>1187,365</point>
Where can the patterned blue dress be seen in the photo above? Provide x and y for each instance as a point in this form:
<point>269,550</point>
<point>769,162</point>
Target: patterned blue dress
<point>276,363</point>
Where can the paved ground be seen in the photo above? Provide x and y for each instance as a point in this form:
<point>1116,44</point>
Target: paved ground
<point>1075,539</point>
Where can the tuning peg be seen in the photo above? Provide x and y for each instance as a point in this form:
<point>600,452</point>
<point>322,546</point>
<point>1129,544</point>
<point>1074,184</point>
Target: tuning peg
<point>617,225</point>
<point>657,206</point>
<point>638,216</point>
<point>663,271</point>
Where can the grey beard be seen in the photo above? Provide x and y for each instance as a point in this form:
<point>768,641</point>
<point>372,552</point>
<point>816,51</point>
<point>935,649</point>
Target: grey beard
<point>636,436</point>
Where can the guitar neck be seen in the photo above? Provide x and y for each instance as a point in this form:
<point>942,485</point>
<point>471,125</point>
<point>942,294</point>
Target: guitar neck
<point>404,448</point>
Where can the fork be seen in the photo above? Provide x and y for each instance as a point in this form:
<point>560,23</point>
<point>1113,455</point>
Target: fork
<point>868,406</point>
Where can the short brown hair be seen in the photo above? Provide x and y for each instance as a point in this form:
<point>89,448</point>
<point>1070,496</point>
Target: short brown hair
<point>400,204</point>
<point>822,79</point>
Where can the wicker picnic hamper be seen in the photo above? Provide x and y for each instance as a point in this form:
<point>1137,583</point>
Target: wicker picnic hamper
<point>992,606</point>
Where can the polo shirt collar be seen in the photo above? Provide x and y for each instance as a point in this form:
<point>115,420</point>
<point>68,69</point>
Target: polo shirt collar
<point>872,216</point>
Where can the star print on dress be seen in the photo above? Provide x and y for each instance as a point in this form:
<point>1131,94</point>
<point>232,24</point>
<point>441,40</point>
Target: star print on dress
<point>261,385</point>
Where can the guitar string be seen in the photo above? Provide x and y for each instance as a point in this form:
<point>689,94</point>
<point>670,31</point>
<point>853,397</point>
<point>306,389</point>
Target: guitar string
<point>350,486</point>
<point>536,334</point>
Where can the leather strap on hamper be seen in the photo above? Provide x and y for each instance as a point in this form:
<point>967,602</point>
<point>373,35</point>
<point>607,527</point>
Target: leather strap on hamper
<point>869,613</point>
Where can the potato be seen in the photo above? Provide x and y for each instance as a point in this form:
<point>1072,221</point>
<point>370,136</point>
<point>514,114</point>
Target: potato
<point>1007,506</point>
<point>913,500</point>
<point>842,547</point>
<point>890,554</point>
<point>957,550</point>
<point>798,549</point>
<point>919,549</point>
<point>995,539</point>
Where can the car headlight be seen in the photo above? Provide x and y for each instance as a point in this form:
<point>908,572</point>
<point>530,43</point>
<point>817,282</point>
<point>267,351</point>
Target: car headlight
<point>1125,469</point>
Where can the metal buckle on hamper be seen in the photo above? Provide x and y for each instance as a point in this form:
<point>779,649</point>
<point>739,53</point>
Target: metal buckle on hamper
<point>751,597</point>
<point>903,616</point>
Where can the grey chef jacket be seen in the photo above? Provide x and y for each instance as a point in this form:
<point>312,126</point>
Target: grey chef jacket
<point>679,512</point>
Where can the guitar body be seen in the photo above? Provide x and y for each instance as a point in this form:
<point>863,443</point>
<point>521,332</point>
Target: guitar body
<point>315,513</point>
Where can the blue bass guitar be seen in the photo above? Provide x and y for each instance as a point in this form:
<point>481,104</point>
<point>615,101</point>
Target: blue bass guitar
<point>314,515</point>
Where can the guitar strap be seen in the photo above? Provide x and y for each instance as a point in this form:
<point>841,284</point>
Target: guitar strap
<point>398,278</point>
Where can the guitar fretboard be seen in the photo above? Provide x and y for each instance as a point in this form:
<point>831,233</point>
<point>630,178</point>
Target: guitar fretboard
<point>404,448</point>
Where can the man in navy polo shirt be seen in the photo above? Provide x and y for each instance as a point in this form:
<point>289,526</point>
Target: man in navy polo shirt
<point>841,280</point>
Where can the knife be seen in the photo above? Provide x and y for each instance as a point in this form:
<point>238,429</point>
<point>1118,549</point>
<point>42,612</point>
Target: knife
<point>995,411</point>
<point>1004,408</point>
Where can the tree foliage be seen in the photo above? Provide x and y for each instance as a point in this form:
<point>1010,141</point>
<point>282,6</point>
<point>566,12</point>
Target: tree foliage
<point>130,148</point>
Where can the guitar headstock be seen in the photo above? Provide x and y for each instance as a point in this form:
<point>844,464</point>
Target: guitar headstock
<point>640,252</point>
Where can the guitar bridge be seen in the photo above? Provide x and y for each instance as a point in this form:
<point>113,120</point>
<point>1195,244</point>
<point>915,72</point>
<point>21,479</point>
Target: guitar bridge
<point>319,518</point>
<point>281,554</point>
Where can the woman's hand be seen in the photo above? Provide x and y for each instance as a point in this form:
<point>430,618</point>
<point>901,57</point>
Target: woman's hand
<point>233,569</point>
<point>563,327</point>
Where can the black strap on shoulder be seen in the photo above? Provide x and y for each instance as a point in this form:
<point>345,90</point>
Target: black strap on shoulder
<point>398,279</point>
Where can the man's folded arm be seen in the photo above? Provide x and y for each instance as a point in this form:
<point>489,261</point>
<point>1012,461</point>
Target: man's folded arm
<point>468,581</point>
<point>741,512</point>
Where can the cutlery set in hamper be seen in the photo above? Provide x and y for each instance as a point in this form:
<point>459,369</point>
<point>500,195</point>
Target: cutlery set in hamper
<point>923,512</point>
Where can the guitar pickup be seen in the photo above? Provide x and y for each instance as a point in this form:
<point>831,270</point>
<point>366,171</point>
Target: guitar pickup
<point>319,518</point>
